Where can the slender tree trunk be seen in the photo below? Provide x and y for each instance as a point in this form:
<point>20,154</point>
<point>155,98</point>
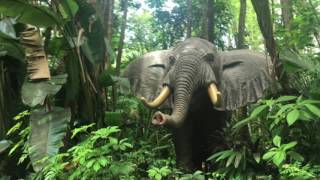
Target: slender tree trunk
<point>210,15</point>
<point>120,48</point>
<point>208,20</point>
<point>3,111</point>
<point>242,112</point>
<point>108,28</point>
<point>262,10</point>
<point>286,13</point>
<point>110,20</point>
<point>204,28</point>
<point>189,20</point>
<point>122,36</point>
<point>242,25</point>
<point>287,17</point>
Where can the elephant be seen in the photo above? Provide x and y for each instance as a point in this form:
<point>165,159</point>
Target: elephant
<point>200,85</point>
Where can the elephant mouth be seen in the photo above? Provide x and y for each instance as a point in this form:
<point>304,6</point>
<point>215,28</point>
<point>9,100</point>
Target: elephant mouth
<point>160,118</point>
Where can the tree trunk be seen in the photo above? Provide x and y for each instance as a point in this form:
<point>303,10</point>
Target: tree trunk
<point>108,28</point>
<point>204,28</point>
<point>3,110</point>
<point>122,35</point>
<point>242,25</point>
<point>262,10</point>
<point>189,20</point>
<point>210,26</point>
<point>120,48</point>
<point>286,13</point>
<point>208,19</point>
<point>110,20</point>
<point>287,17</point>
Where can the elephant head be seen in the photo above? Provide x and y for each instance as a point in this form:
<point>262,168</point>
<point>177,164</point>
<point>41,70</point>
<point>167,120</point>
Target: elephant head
<point>231,79</point>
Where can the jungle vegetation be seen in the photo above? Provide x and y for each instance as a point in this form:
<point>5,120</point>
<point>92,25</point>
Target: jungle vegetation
<point>66,113</point>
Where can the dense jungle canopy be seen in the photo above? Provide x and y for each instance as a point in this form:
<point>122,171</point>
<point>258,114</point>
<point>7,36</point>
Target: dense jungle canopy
<point>66,111</point>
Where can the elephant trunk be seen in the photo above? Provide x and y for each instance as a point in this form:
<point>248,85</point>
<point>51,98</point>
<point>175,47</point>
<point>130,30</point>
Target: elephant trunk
<point>184,83</point>
<point>181,106</point>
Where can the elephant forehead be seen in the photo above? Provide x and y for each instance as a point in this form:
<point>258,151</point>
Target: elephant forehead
<point>155,57</point>
<point>194,46</point>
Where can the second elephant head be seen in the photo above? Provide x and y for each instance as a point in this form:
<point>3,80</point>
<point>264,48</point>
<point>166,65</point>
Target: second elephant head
<point>175,77</point>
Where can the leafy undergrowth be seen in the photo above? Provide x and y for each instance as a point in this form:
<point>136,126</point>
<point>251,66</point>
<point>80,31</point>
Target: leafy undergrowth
<point>279,139</point>
<point>104,154</point>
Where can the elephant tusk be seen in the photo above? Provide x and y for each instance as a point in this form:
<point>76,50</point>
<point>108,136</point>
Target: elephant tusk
<point>164,94</point>
<point>214,94</point>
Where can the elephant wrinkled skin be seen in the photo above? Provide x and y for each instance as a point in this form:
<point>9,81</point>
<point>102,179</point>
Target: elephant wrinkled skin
<point>182,76</point>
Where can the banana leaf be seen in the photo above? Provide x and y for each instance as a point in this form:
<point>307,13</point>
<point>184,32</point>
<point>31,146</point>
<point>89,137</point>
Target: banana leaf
<point>4,144</point>
<point>34,93</point>
<point>48,129</point>
<point>68,8</point>
<point>40,16</point>
<point>11,47</point>
<point>38,66</point>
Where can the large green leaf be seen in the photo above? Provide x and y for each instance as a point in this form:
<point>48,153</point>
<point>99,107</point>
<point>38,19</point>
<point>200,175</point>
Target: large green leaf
<point>111,54</point>
<point>34,93</point>
<point>293,116</point>
<point>279,157</point>
<point>6,27</point>
<point>47,131</point>
<point>314,109</point>
<point>69,8</point>
<point>4,144</point>
<point>11,47</point>
<point>29,14</point>
<point>277,141</point>
<point>93,49</point>
<point>93,46</point>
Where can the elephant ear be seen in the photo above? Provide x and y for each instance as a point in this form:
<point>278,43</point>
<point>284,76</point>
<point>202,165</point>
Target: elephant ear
<point>245,76</point>
<point>146,74</point>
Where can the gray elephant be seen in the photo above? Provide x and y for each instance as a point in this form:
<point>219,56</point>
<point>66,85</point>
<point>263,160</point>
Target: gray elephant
<point>200,85</point>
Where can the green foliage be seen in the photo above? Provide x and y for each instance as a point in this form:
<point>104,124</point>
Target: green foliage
<point>197,175</point>
<point>24,134</point>
<point>4,144</point>
<point>29,14</point>
<point>159,173</point>
<point>48,129</point>
<point>11,47</point>
<point>35,93</point>
<point>278,140</point>
<point>277,134</point>
<point>303,26</point>
<point>278,154</point>
<point>101,154</point>
<point>298,171</point>
<point>40,138</point>
<point>69,8</point>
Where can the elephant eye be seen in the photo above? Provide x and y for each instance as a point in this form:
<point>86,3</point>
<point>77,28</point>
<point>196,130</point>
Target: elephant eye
<point>172,59</point>
<point>231,65</point>
<point>158,65</point>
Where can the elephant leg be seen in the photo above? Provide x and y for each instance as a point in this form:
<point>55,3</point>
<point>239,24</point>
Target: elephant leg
<point>207,132</point>
<point>182,138</point>
<point>213,126</point>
